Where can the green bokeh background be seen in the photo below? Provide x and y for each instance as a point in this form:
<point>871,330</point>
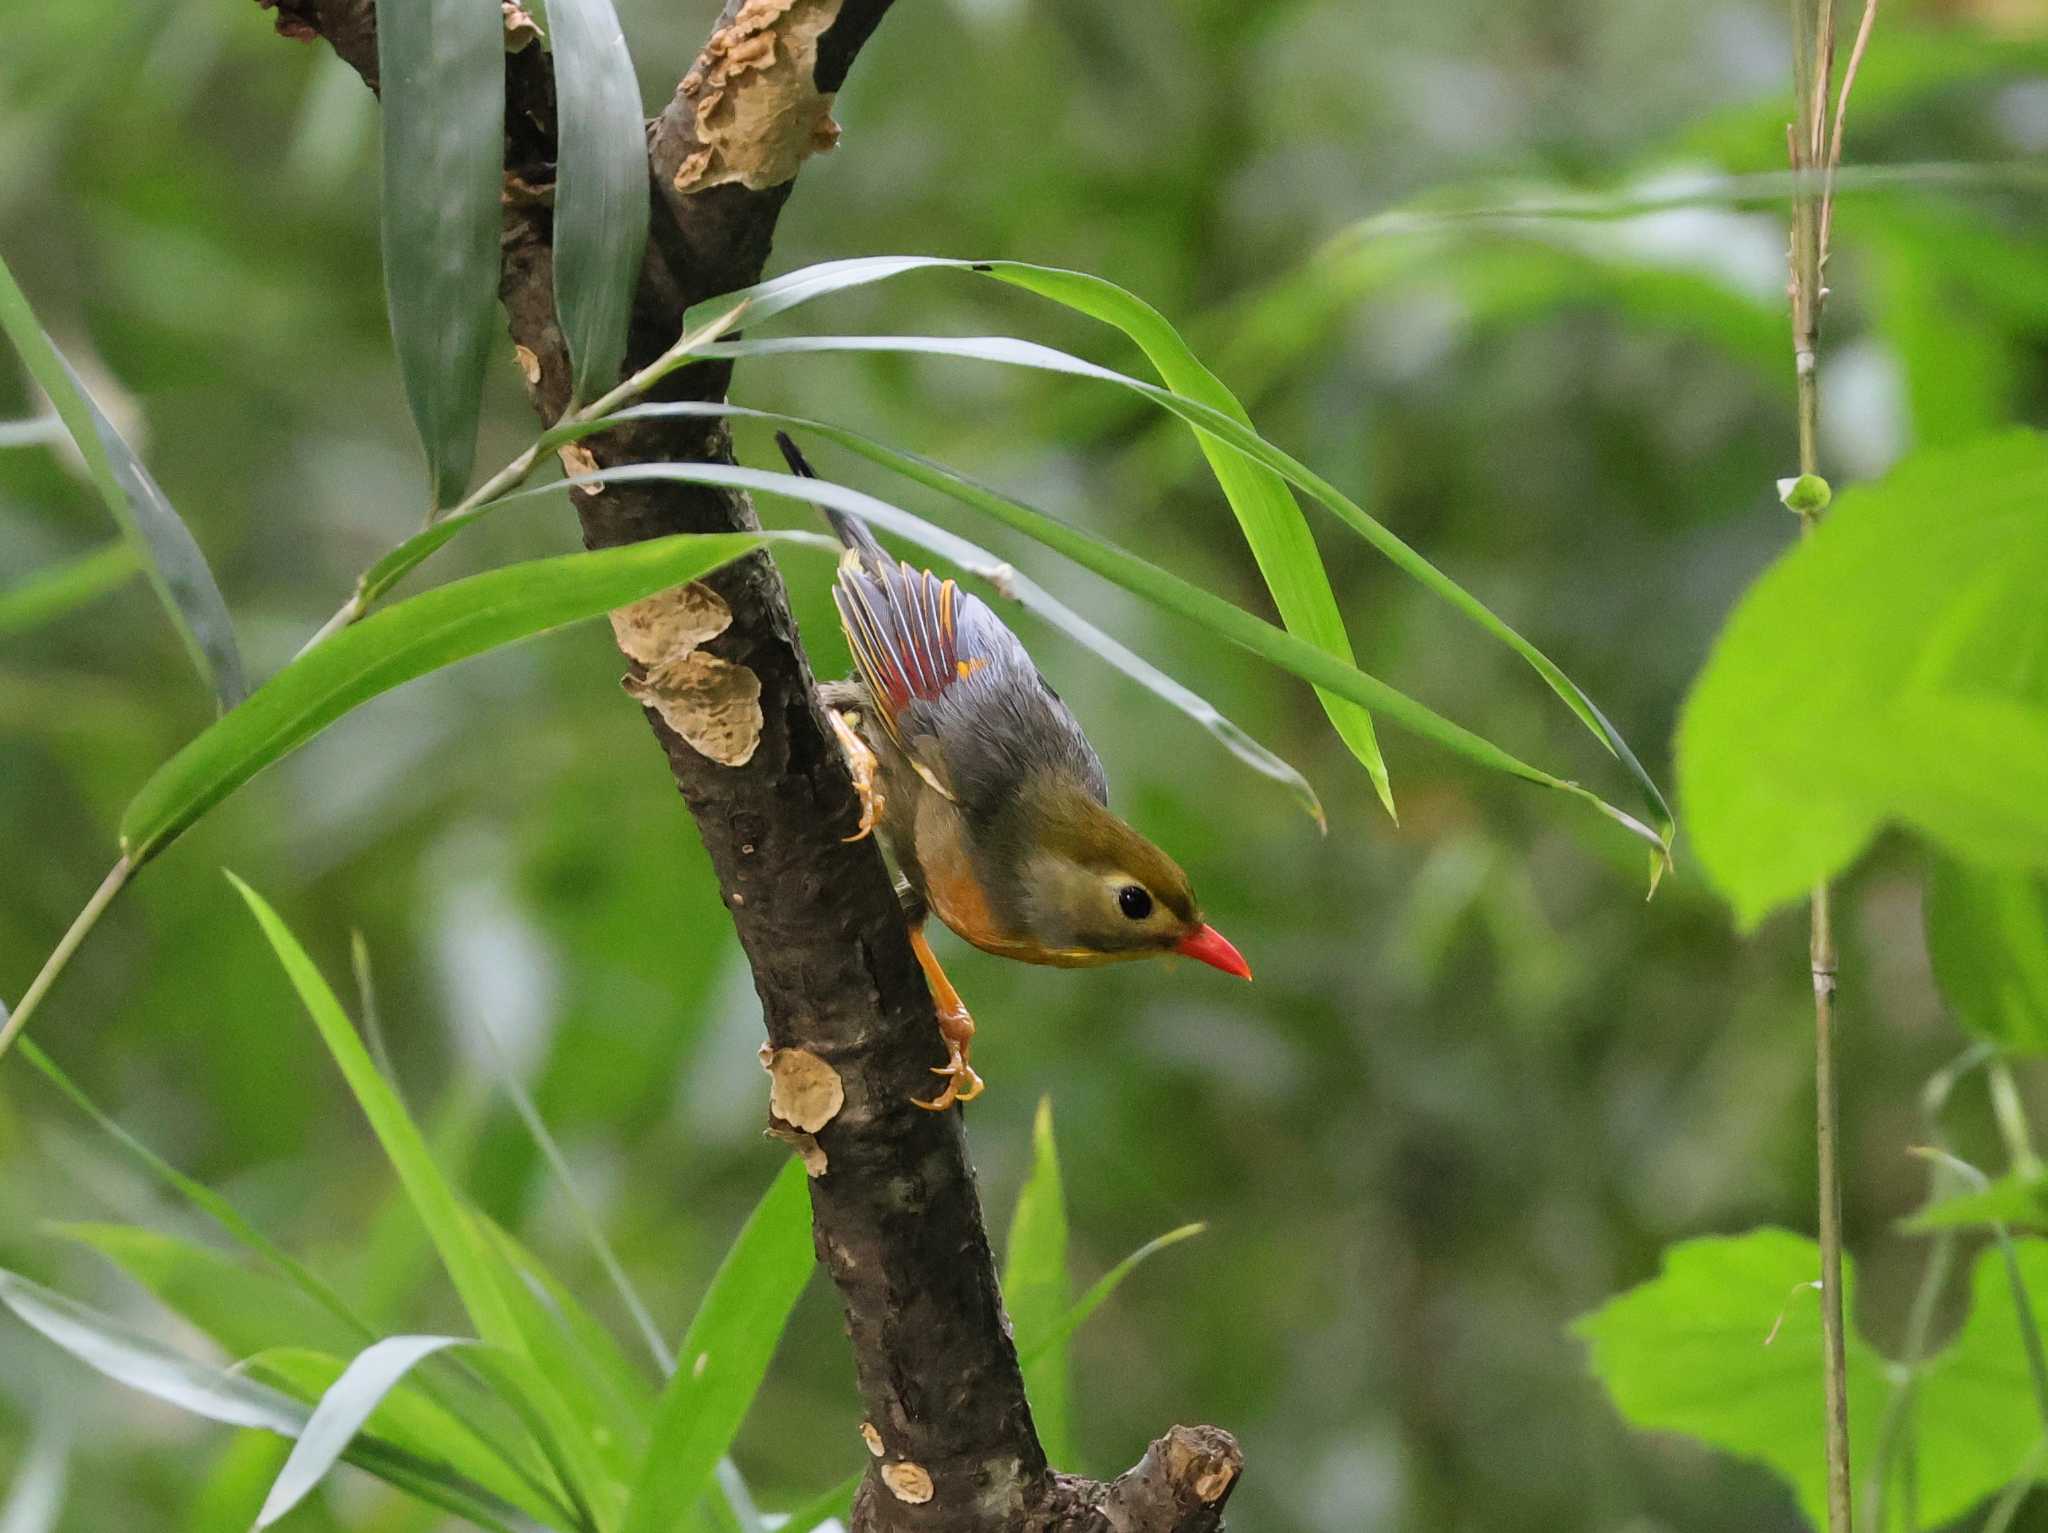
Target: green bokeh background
<point>1479,1082</point>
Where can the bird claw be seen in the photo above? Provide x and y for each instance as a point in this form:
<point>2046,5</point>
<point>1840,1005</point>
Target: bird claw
<point>963,1083</point>
<point>862,765</point>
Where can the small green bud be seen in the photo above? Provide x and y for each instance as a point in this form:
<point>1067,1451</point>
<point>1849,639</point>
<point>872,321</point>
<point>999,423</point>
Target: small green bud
<point>1808,494</point>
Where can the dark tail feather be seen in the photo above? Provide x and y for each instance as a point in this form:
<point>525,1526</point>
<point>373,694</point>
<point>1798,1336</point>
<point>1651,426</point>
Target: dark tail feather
<point>851,530</point>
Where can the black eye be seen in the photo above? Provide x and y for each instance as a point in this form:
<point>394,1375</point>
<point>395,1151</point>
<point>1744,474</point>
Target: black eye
<point>1134,902</point>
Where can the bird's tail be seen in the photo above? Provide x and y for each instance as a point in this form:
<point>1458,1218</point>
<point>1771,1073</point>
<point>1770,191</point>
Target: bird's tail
<point>851,530</point>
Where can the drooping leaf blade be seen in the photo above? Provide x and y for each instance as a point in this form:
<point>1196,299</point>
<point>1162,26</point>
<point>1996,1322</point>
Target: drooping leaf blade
<point>1168,591</point>
<point>435,629</point>
<point>781,294</point>
<point>50,593</point>
<point>1035,1288</point>
<point>1273,525</point>
<point>344,1410</point>
<point>441,66</point>
<point>726,1352</point>
<point>169,556</point>
<point>601,193</point>
<point>35,1498</point>
<point>128,1356</point>
<point>243,1311</point>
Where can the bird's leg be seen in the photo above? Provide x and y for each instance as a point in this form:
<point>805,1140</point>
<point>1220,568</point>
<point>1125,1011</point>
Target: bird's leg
<point>955,1026</point>
<point>861,763</point>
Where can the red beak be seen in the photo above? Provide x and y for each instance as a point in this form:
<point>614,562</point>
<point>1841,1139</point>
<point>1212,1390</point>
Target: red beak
<point>1214,949</point>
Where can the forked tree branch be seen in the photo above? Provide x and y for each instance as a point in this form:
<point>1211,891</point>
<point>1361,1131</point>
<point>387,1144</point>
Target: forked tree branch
<point>896,1217</point>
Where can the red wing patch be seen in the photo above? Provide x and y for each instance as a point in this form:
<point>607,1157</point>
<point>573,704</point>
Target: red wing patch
<point>899,624</point>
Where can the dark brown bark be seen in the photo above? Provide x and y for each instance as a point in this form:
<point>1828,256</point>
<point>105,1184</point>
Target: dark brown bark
<point>896,1216</point>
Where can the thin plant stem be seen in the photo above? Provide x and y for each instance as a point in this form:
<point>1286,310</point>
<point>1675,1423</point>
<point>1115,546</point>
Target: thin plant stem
<point>2008,1505</point>
<point>60,955</point>
<point>2011,1116</point>
<point>1813,54</point>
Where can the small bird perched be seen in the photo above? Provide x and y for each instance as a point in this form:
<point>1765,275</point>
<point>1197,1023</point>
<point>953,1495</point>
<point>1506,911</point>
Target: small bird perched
<point>990,801</point>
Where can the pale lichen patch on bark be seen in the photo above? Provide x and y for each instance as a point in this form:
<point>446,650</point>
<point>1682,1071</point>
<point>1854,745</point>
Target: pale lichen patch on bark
<point>578,460</point>
<point>712,703</point>
<point>521,31</point>
<point>908,1482</point>
<point>871,1437</point>
<point>755,107</point>
<point>803,1090</point>
<point>804,1146</point>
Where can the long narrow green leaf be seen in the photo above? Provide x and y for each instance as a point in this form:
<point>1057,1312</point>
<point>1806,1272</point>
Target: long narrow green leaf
<point>243,1311</point>
<point>473,1276</point>
<point>1273,524</point>
<point>441,64</point>
<point>450,623</point>
<point>601,193</point>
<point>52,592</point>
<point>177,570</point>
<point>782,294</point>
<point>1035,1288</point>
<point>725,1354</point>
<point>836,1502</point>
<point>487,1287</point>
<point>344,1410</point>
<point>412,1419</point>
<point>1125,569</point>
<point>202,1197</point>
<point>129,1357</point>
<point>1032,1346</point>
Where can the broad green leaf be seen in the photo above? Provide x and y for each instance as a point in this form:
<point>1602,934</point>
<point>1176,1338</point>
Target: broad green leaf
<point>344,1410</point>
<point>1036,1344</point>
<point>243,1311</point>
<point>785,293</point>
<point>163,545</point>
<point>726,1352</point>
<point>436,629</point>
<point>1724,1346</point>
<point>1273,524</point>
<point>50,593</point>
<point>441,65</point>
<point>1868,678</point>
<point>1035,1288</point>
<point>412,1420</point>
<point>2014,1198</point>
<point>1987,934</point>
<point>601,192</point>
<point>1127,570</point>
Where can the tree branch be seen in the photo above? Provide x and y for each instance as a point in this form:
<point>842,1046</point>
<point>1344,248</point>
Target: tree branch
<point>896,1217</point>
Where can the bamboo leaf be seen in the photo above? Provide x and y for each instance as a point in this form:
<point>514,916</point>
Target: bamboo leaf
<point>441,64</point>
<point>824,1507</point>
<point>35,1500</point>
<point>486,1286</point>
<point>601,195</point>
<point>1035,1288</point>
<point>48,594</point>
<point>782,294</point>
<point>414,1422</point>
<point>1033,1345</point>
<point>1168,591</point>
<point>438,628</point>
<point>128,1356</point>
<point>344,1410</point>
<point>243,1311</point>
<point>163,545</point>
<point>725,1354</point>
<point>1273,524</point>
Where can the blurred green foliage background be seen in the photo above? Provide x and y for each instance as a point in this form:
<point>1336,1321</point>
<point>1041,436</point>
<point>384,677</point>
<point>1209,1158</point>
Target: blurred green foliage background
<point>1479,1083</point>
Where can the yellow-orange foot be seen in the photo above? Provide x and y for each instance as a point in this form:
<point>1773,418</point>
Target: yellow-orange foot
<point>861,763</point>
<point>963,1084</point>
